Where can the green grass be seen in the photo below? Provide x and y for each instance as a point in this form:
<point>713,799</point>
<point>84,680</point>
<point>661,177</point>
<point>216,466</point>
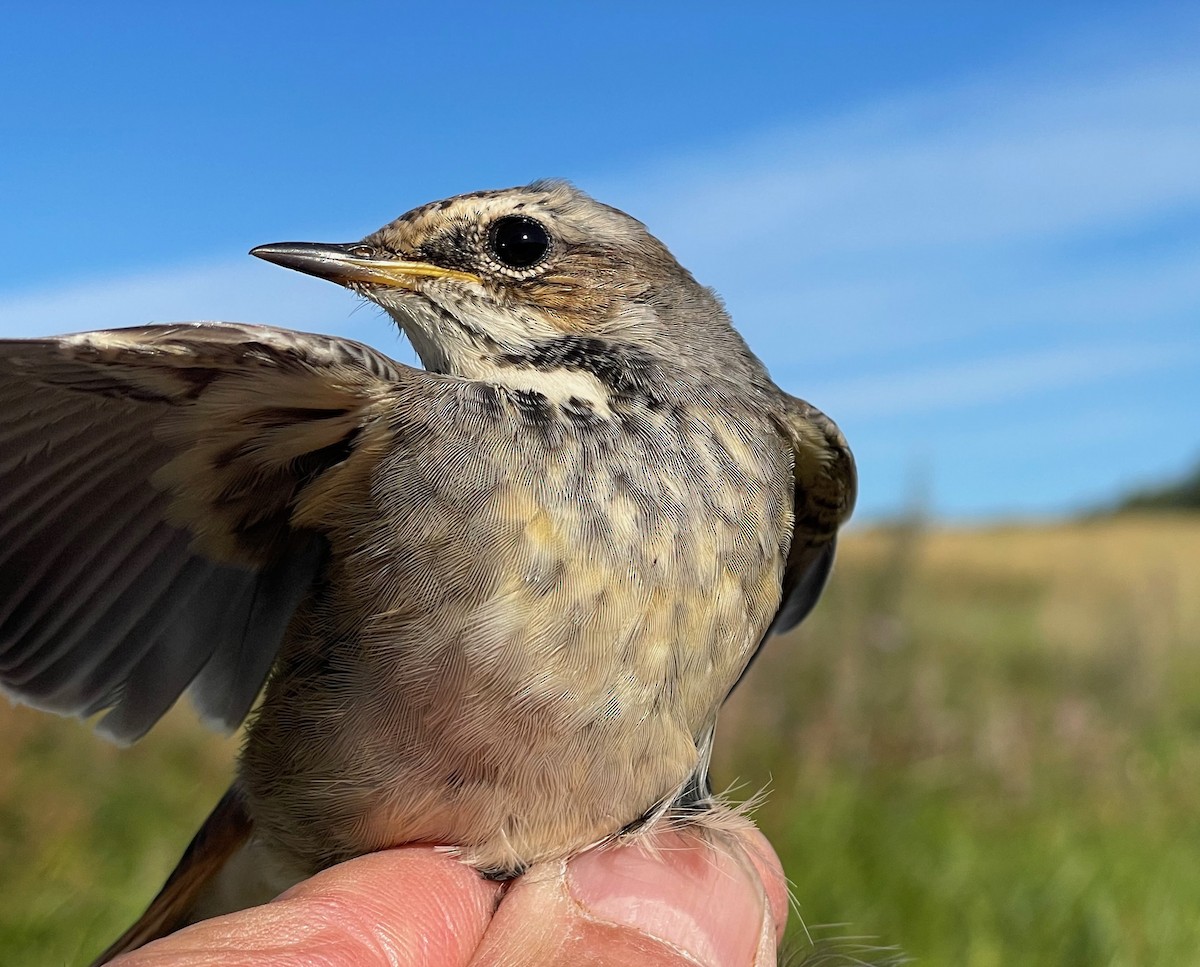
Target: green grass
<point>984,747</point>
<point>88,832</point>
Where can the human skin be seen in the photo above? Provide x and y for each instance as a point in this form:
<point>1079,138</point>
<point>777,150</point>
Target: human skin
<point>678,899</point>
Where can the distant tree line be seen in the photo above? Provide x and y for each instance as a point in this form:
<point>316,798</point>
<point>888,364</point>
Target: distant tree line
<point>1183,494</point>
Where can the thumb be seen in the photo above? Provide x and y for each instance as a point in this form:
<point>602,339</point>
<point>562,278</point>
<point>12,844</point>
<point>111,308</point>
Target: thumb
<point>679,898</point>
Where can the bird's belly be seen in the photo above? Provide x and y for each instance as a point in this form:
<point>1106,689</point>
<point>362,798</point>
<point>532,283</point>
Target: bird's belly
<point>515,746</point>
<point>519,694</point>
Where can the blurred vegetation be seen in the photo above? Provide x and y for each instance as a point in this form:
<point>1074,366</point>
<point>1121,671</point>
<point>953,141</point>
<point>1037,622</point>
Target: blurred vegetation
<point>984,747</point>
<point>1183,494</point>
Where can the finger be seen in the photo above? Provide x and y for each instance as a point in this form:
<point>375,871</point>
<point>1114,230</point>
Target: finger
<point>408,906</point>
<point>762,854</point>
<point>683,898</point>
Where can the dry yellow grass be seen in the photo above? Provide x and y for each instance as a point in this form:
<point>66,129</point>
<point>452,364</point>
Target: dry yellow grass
<point>1146,569</point>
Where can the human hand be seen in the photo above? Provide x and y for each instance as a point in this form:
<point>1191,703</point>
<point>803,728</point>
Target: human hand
<point>718,901</point>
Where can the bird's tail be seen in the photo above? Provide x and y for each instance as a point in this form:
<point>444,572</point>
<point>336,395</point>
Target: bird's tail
<point>225,831</point>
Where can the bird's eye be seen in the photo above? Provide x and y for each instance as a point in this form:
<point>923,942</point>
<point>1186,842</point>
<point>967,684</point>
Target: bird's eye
<point>518,241</point>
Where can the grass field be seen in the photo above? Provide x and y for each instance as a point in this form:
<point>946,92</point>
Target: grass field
<point>984,747</point>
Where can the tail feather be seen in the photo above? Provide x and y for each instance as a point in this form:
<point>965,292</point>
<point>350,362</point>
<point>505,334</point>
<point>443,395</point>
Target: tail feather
<point>224,832</point>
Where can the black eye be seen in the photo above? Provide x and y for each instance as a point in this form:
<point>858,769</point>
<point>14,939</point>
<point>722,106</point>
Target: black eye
<point>518,242</point>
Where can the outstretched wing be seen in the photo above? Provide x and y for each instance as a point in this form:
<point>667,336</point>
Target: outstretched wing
<point>826,486</point>
<point>147,482</point>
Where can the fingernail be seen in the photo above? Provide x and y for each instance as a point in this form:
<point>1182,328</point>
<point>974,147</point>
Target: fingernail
<point>687,893</point>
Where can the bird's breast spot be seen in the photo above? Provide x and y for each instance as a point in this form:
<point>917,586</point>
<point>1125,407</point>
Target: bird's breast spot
<point>542,533</point>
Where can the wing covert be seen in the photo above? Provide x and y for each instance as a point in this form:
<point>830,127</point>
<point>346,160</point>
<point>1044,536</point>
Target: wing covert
<point>825,490</point>
<point>147,478</point>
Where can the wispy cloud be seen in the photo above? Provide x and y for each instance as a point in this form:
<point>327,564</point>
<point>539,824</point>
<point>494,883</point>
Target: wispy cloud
<point>946,211</point>
<point>997,161</point>
<point>244,290</point>
<point>980,382</point>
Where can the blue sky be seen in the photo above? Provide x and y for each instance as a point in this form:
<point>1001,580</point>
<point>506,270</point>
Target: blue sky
<point>970,232</point>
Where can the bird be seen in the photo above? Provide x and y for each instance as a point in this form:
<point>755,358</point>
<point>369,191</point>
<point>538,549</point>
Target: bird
<point>492,603</point>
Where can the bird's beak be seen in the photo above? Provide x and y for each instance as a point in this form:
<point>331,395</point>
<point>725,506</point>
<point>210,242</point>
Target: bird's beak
<point>354,262</point>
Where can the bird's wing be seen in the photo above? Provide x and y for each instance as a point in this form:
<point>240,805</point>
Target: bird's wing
<point>147,482</point>
<point>825,489</point>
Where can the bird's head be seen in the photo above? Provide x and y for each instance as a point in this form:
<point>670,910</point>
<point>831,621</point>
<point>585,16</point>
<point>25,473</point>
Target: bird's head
<point>496,283</point>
